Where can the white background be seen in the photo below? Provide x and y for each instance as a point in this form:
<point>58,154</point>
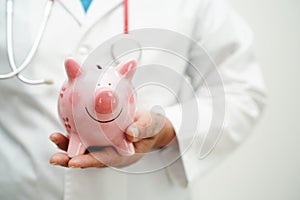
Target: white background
<point>267,165</point>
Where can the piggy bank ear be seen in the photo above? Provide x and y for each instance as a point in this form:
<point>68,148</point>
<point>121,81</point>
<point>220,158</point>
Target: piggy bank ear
<point>72,68</point>
<point>127,69</point>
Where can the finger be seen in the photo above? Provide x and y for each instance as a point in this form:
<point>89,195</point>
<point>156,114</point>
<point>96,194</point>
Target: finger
<point>104,158</point>
<point>145,126</point>
<point>85,161</point>
<point>110,157</point>
<point>132,133</point>
<point>145,145</point>
<point>60,140</point>
<point>60,159</point>
<point>142,120</point>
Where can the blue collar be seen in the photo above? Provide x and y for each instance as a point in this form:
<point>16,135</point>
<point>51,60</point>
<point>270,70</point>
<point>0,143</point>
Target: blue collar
<point>86,4</point>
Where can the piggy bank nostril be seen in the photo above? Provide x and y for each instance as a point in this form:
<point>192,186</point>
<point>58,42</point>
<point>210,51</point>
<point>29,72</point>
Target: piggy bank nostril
<point>106,102</point>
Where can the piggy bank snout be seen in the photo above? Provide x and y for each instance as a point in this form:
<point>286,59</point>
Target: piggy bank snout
<point>106,102</point>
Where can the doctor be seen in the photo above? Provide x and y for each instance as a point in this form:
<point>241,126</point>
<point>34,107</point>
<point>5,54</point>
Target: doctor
<point>28,113</point>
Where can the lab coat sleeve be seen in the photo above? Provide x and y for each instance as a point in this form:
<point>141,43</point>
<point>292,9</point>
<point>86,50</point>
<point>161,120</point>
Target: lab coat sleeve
<point>228,41</point>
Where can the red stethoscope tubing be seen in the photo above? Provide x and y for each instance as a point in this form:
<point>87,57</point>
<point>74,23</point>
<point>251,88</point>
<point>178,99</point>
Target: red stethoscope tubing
<point>126,13</point>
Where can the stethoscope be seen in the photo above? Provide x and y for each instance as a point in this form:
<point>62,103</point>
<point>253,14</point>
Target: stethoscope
<point>16,70</point>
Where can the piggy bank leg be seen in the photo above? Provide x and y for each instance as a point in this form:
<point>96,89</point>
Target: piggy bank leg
<point>75,147</point>
<point>124,147</point>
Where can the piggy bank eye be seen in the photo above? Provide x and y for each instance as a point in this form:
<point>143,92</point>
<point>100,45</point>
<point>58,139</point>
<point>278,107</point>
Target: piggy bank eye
<point>99,67</point>
<point>109,84</point>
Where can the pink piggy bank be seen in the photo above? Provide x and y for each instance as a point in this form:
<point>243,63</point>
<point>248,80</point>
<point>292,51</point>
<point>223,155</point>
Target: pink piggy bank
<point>101,117</point>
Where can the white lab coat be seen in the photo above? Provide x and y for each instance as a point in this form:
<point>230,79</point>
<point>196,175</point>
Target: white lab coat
<point>28,113</point>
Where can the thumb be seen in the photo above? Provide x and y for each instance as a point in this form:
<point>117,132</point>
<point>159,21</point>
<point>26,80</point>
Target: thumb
<point>133,133</point>
<point>146,127</point>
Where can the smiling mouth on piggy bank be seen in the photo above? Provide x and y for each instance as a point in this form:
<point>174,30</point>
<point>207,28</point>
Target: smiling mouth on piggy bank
<point>101,121</point>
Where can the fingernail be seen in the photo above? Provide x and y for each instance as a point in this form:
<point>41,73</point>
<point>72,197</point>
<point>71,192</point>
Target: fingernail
<point>71,165</point>
<point>131,152</point>
<point>53,163</point>
<point>135,131</point>
<point>53,139</point>
<point>132,149</point>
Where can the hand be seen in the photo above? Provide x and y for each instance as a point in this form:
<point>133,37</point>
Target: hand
<point>149,131</point>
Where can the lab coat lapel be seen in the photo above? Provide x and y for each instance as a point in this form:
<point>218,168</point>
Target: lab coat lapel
<point>98,10</point>
<point>74,7</point>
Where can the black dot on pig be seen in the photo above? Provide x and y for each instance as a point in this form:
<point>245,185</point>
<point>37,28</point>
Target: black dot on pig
<point>99,67</point>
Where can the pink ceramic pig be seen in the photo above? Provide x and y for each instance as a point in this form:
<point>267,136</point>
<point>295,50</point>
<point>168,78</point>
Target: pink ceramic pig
<point>104,116</point>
